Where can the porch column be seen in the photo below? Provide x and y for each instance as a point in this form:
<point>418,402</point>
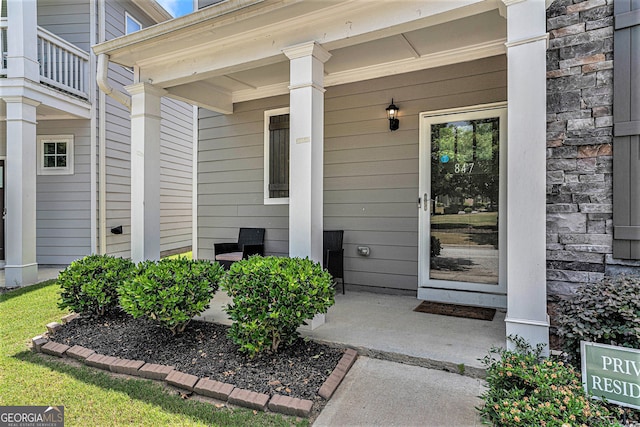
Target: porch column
<point>306,149</point>
<point>21,267</point>
<point>526,176</point>
<point>145,171</point>
<point>22,44</point>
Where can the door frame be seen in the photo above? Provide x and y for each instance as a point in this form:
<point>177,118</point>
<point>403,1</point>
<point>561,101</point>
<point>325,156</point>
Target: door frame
<point>450,291</point>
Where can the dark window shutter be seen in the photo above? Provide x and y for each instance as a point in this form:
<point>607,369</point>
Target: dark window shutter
<point>279,156</point>
<point>626,119</point>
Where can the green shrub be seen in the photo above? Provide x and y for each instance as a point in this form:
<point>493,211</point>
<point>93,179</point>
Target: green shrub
<point>272,297</point>
<point>90,285</point>
<point>605,312</point>
<point>171,291</point>
<point>525,389</point>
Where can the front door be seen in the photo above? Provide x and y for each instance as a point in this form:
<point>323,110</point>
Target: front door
<point>462,206</point>
<point>2,210</point>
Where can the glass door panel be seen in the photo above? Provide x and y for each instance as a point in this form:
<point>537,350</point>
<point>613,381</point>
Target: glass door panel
<point>465,166</point>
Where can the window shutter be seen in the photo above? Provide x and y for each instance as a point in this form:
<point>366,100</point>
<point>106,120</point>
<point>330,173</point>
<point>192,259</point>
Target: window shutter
<point>279,156</point>
<point>626,119</point>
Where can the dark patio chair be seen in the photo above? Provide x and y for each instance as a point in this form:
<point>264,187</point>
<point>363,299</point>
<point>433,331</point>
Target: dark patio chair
<point>250,242</point>
<point>333,255</point>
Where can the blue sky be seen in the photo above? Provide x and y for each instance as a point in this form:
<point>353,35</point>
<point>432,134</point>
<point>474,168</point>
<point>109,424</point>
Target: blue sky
<point>177,7</point>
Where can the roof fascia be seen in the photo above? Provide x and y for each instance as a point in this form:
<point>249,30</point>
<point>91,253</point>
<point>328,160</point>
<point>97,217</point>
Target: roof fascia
<point>153,9</point>
<point>264,45</point>
<point>224,13</point>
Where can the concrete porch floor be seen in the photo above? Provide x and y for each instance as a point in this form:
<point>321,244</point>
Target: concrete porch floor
<point>386,327</point>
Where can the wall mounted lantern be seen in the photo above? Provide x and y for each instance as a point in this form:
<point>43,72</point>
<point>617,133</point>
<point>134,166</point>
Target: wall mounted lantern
<point>392,114</point>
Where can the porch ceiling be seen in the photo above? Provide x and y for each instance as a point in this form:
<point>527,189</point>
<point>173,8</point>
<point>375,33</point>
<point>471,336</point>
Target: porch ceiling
<point>232,51</point>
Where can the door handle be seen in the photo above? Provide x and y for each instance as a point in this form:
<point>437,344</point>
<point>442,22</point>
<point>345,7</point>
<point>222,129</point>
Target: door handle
<point>426,202</point>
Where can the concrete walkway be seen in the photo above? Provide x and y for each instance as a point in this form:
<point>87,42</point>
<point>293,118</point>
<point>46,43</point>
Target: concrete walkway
<point>44,273</point>
<point>403,383</point>
<point>381,393</point>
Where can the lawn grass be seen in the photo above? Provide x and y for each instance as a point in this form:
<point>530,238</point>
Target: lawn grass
<point>476,219</point>
<point>453,238</point>
<point>188,255</point>
<point>92,397</point>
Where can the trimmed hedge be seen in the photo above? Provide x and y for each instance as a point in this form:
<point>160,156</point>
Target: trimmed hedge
<point>171,291</point>
<point>90,285</point>
<point>272,297</point>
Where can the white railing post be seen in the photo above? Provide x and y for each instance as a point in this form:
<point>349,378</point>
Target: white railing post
<point>3,46</point>
<point>62,65</point>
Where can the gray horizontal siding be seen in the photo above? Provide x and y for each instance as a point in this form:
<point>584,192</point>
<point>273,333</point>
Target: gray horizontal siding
<point>63,202</point>
<point>176,158</point>
<point>68,19</point>
<point>370,173</point>
<point>230,179</point>
<point>175,155</point>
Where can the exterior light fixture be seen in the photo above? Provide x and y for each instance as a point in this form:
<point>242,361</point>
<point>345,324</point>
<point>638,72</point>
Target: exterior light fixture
<point>392,114</point>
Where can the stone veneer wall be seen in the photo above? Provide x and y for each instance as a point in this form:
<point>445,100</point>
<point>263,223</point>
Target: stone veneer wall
<point>579,146</point>
<point>579,143</point>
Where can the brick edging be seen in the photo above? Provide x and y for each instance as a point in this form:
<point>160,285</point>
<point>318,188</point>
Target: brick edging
<point>204,386</point>
<point>339,372</point>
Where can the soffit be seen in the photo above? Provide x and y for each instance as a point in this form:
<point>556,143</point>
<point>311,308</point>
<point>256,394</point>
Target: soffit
<point>399,49</point>
<point>238,51</point>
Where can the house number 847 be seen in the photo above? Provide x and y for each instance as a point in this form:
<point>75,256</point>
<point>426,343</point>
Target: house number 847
<point>463,167</point>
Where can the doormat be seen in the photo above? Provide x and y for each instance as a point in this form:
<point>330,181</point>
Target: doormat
<point>479,313</point>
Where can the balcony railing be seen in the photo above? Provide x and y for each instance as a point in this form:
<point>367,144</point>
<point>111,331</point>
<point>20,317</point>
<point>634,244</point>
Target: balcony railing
<point>3,46</point>
<point>62,65</point>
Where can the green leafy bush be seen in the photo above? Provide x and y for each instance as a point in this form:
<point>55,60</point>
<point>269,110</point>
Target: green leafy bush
<point>272,297</point>
<point>606,312</point>
<point>90,285</point>
<point>171,291</point>
<point>525,389</point>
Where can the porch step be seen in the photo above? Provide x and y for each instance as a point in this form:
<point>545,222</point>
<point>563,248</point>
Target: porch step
<point>423,362</point>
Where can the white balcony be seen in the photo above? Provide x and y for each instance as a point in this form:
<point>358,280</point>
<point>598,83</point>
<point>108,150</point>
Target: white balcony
<point>62,65</point>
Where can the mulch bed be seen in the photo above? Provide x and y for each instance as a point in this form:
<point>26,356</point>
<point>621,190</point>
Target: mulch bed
<point>205,351</point>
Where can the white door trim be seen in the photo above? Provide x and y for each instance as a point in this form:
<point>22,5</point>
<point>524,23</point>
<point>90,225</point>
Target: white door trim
<point>450,291</point>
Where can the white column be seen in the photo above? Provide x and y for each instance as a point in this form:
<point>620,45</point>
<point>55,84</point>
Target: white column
<point>306,153</point>
<point>22,49</point>
<point>145,171</point>
<point>526,176</point>
<point>21,267</point>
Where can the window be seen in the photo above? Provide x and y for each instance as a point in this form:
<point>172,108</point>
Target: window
<point>276,156</point>
<point>55,155</point>
<point>131,25</point>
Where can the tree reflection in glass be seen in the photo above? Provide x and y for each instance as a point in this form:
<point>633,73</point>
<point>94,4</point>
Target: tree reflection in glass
<point>465,167</point>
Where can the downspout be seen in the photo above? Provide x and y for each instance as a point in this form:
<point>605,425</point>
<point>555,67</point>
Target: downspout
<point>103,70</point>
<point>194,187</point>
<point>94,137</point>
<point>105,89</point>
<point>102,151</point>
